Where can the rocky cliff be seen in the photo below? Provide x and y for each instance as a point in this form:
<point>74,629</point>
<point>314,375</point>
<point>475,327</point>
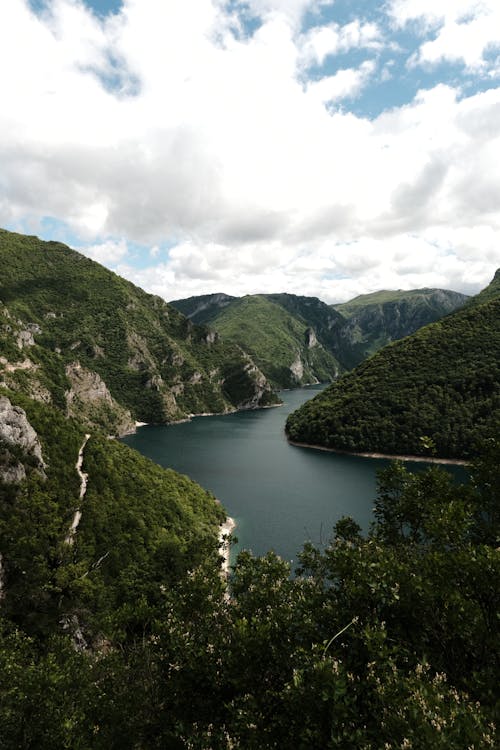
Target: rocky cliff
<point>286,347</point>
<point>297,340</point>
<point>76,335</point>
<point>20,448</point>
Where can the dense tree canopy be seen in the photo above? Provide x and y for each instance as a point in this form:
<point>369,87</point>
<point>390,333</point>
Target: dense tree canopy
<point>383,641</point>
<point>442,384</point>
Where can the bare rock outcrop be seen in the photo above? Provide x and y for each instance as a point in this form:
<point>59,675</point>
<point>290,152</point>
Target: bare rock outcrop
<point>17,433</point>
<point>89,399</point>
<point>311,338</point>
<point>297,368</point>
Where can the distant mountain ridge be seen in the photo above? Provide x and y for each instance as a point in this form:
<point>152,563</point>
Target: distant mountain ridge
<point>374,320</point>
<point>437,391</point>
<point>343,335</point>
<point>203,308</point>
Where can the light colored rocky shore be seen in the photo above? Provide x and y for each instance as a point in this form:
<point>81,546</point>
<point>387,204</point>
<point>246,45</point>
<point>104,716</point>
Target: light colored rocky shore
<point>390,456</point>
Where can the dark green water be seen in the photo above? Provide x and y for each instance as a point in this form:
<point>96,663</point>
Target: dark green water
<point>279,495</point>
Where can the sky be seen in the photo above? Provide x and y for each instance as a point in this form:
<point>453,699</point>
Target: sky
<point>306,146</point>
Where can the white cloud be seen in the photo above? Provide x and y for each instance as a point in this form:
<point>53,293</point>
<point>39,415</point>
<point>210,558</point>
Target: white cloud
<point>462,260</point>
<point>344,84</point>
<point>218,141</point>
<point>292,10</point>
<point>108,253</point>
<point>330,39</point>
<point>464,30</point>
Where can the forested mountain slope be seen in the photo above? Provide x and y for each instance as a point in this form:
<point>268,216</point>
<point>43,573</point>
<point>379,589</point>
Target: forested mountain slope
<point>94,538</point>
<point>203,309</point>
<point>289,337</point>
<point>84,352</point>
<point>83,328</point>
<point>282,344</point>
<point>374,320</point>
<point>341,335</point>
<point>437,390</point>
<point>116,631</point>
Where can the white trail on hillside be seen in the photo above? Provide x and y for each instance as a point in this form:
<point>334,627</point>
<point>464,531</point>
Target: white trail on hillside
<point>83,489</point>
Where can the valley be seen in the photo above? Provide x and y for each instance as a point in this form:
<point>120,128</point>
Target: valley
<point>301,340</point>
<point>362,595</point>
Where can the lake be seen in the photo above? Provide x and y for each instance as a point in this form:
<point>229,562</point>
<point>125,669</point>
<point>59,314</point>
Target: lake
<point>279,495</point>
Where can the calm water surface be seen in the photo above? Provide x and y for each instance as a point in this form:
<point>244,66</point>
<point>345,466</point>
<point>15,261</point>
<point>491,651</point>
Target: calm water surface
<point>278,494</point>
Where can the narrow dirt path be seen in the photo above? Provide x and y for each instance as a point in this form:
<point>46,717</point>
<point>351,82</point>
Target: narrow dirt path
<point>83,489</point>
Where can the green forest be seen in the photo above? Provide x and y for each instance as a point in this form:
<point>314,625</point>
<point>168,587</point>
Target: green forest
<point>388,640</point>
<point>155,362</point>
<point>282,330</point>
<point>435,392</point>
<point>124,632</point>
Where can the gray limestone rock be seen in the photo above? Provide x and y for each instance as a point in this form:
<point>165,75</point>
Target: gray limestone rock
<point>15,430</point>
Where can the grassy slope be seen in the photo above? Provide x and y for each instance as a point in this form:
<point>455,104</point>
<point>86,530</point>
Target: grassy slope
<point>274,338</point>
<point>443,382</point>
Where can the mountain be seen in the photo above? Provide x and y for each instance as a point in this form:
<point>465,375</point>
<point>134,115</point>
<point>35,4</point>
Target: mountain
<point>90,531</point>
<point>435,391</point>
<point>91,341</point>
<point>83,354</point>
<point>374,320</point>
<point>296,339</point>
<point>282,342</point>
<point>204,308</point>
<point>116,628</point>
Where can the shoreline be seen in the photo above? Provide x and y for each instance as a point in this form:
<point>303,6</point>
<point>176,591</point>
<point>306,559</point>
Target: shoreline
<point>190,417</point>
<point>225,529</point>
<point>390,456</point>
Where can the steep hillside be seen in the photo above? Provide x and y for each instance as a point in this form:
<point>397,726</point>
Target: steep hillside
<point>437,390</point>
<point>115,625</point>
<point>346,334</point>
<point>204,308</point>
<point>93,535</point>
<point>326,322</point>
<point>88,338</point>
<point>141,526</point>
<point>284,346</point>
<point>374,320</point>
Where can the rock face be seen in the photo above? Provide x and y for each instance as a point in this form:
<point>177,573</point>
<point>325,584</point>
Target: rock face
<point>89,398</point>
<point>297,369</point>
<point>311,339</point>
<point>85,385</point>
<point>17,433</point>
<point>260,388</point>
